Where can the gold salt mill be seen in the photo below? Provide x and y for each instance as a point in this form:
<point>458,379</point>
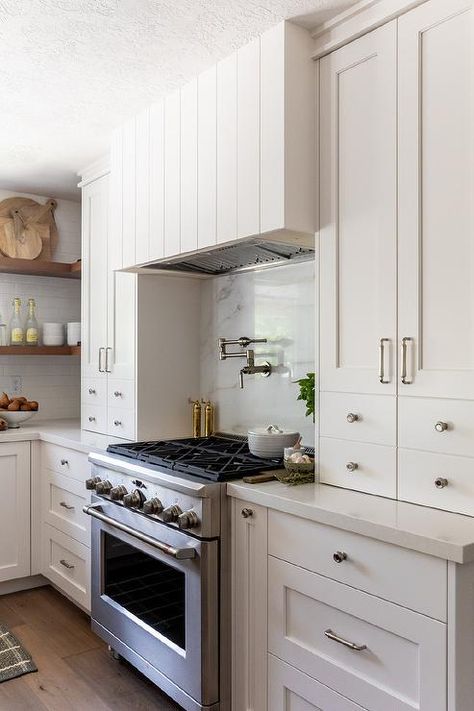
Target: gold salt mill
<point>208,418</point>
<point>197,410</point>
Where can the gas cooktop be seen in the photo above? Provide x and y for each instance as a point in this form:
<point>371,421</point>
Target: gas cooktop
<point>219,458</point>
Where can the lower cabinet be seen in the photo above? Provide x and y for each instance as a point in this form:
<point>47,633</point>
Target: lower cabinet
<point>66,562</point>
<point>15,554</point>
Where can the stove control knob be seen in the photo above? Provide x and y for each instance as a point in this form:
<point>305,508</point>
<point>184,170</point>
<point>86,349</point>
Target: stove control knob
<point>152,506</point>
<point>92,482</point>
<point>171,514</point>
<point>118,492</point>
<point>133,500</point>
<point>103,487</point>
<point>188,519</point>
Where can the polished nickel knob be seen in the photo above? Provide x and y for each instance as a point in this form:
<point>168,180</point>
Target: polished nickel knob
<point>117,393</point>
<point>152,506</point>
<point>441,482</point>
<point>64,463</point>
<point>133,500</point>
<point>247,513</point>
<point>441,426</point>
<point>339,556</point>
<point>118,492</point>
<point>92,391</point>
<point>170,515</point>
<point>91,419</point>
<point>103,487</point>
<point>351,417</point>
<point>92,482</point>
<point>188,519</point>
<point>117,423</point>
<point>352,466</point>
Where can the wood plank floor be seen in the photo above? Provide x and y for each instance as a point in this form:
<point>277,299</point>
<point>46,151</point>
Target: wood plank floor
<point>75,671</point>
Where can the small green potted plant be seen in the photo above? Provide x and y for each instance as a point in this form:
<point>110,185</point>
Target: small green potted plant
<point>299,467</point>
<point>307,392</point>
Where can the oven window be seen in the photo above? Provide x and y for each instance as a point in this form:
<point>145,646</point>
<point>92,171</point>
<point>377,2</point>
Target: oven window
<point>149,589</point>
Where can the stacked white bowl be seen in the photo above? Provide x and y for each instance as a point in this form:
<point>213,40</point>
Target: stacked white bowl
<point>53,334</point>
<point>269,442</point>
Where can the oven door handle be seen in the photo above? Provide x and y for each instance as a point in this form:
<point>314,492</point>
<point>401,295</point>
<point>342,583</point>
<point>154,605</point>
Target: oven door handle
<point>178,553</point>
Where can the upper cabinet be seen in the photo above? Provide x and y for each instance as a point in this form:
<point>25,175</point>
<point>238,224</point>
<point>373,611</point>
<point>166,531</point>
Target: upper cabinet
<point>228,156</point>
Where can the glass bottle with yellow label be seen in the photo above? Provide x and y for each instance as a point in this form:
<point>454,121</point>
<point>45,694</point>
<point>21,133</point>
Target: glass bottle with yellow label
<point>31,327</point>
<point>16,331</point>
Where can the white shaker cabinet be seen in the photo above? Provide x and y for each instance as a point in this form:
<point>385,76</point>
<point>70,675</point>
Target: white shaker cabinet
<point>15,510</point>
<point>436,185</point>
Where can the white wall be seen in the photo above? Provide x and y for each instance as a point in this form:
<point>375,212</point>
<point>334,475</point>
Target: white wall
<point>277,304</point>
<point>53,381</point>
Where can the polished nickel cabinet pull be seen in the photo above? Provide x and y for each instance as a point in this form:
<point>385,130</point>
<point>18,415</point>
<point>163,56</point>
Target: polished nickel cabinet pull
<point>352,466</point>
<point>67,565</point>
<point>247,513</point>
<point>339,556</point>
<point>351,645</point>
<point>101,353</point>
<point>382,343</point>
<point>441,482</point>
<point>66,506</point>
<point>92,391</point>
<point>107,364</point>
<point>404,359</point>
<point>441,426</point>
<point>352,417</point>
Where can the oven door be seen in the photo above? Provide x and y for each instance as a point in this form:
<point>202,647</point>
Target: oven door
<point>156,589</point>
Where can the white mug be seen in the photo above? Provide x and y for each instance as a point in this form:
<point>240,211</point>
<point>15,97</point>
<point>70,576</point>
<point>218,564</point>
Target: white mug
<point>73,333</point>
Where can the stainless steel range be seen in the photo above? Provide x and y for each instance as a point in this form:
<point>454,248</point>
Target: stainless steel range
<point>161,561</point>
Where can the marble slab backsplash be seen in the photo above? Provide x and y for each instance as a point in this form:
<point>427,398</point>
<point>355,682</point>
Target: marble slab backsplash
<point>277,304</point>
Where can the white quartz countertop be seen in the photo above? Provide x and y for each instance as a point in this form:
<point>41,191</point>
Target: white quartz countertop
<point>439,533</point>
<point>65,433</point>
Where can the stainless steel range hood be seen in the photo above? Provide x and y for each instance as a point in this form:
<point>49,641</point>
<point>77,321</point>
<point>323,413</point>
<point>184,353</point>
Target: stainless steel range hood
<point>242,255</point>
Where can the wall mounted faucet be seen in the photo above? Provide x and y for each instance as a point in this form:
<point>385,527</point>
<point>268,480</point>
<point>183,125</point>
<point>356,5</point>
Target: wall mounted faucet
<point>250,369</point>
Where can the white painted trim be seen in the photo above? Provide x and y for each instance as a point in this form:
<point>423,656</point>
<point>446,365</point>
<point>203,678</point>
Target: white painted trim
<point>94,171</point>
<point>32,581</point>
<point>356,21</point>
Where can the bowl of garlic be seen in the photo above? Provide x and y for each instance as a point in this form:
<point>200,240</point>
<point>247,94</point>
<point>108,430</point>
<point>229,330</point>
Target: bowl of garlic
<point>299,467</point>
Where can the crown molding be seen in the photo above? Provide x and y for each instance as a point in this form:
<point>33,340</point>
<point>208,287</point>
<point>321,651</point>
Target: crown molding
<point>95,170</point>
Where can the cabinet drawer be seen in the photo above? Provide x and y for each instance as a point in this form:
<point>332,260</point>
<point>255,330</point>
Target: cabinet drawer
<point>64,461</point>
<point>62,502</point>
<point>418,418</point>
<point>121,423</point>
<point>442,481</point>
<point>67,564</point>
<point>379,568</point>
<point>94,418</point>
<point>94,391</point>
<point>363,418</point>
<point>375,469</point>
<point>121,394</point>
<point>400,662</point>
<point>291,690</point>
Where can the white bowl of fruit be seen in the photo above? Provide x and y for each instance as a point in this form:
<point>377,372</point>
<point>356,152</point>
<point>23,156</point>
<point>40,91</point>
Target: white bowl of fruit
<point>15,410</point>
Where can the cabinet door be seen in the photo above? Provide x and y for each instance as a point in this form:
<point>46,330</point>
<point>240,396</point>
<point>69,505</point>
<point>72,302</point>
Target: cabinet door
<point>207,196</point>
<point>157,178</point>
<point>227,149</point>
<point>142,188</point>
<point>15,510</point>
<point>436,184</point>
<point>129,193</point>
<point>95,213</point>
<point>172,174</point>
<point>249,606</point>
<point>358,192</point>
<point>248,139</point>
<point>121,339</point>
<point>189,167</point>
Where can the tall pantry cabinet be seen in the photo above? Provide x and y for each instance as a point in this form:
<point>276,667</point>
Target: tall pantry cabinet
<point>140,340</point>
<point>397,312</point>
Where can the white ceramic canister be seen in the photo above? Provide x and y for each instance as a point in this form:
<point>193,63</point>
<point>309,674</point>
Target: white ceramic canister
<point>53,334</point>
<point>73,329</point>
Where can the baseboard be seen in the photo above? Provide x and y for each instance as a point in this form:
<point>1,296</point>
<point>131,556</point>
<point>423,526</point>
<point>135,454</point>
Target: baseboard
<point>32,581</point>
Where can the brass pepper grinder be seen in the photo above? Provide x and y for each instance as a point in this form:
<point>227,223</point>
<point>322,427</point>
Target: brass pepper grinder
<point>208,418</point>
<point>197,409</point>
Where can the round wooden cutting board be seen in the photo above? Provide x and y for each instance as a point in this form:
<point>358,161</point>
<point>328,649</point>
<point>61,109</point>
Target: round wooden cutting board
<point>27,228</point>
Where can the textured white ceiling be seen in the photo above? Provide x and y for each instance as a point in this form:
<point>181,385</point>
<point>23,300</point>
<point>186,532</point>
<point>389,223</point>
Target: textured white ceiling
<point>72,70</point>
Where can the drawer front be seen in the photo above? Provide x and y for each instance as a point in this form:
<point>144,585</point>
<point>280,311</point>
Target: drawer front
<point>400,660</point>
<point>380,568</point>
<point>121,423</point>
<point>442,481</point>
<point>418,418</point>
<point>67,564</point>
<point>371,468</point>
<point>94,418</point>
<point>363,418</point>
<point>291,690</point>
<point>94,391</point>
<point>62,502</point>
<point>121,394</point>
<point>64,461</point>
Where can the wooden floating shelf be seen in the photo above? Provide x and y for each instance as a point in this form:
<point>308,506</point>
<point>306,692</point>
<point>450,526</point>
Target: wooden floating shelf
<point>36,267</point>
<point>41,350</point>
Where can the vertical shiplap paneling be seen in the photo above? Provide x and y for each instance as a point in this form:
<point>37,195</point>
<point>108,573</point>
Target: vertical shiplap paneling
<point>227,149</point>
<point>129,193</point>
<point>142,194</point>
<point>207,199</point>
<point>189,166</point>
<point>116,200</point>
<point>157,186</point>
<point>248,139</point>
<point>172,174</point>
